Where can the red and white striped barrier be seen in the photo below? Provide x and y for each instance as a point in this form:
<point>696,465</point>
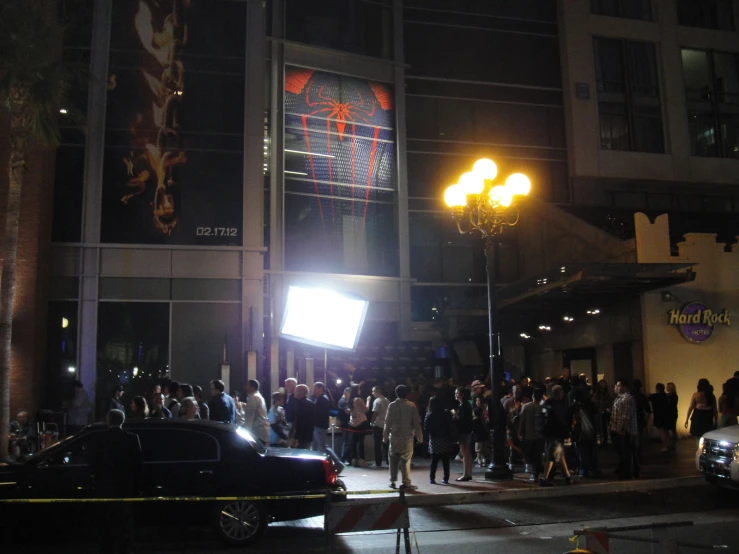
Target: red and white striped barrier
<point>375,516</point>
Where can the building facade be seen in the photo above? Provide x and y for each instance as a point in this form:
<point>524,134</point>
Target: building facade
<point>233,148</point>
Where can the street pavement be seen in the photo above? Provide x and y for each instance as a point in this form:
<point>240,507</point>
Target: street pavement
<point>534,525</point>
<point>656,465</point>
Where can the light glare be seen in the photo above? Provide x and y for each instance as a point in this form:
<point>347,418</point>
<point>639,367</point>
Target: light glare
<point>471,183</point>
<point>323,318</point>
<point>518,184</point>
<point>501,196</point>
<point>455,197</point>
<point>485,169</point>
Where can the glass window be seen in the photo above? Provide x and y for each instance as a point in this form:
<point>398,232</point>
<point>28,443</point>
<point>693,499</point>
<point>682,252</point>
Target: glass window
<point>70,155</point>
<point>339,174</point>
<point>177,445</point>
<point>712,93</point>
<point>629,106</point>
<point>358,26</point>
<point>133,349</point>
<point>61,353</point>
<point>632,9</point>
<point>709,14</point>
<point>200,333</point>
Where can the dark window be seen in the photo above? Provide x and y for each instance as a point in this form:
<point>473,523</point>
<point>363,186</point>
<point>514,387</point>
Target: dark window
<point>632,9</point>
<point>628,96</point>
<point>75,453</point>
<point>358,26</point>
<point>177,445</point>
<point>133,349</point>
<point>712,94</point>
<point>708,14</point>
<point>61,353</point>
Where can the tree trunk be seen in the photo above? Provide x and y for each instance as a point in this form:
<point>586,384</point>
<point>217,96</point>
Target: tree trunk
<point>19,133</point>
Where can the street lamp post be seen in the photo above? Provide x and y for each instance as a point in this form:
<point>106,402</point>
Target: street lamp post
<point>480,206</point>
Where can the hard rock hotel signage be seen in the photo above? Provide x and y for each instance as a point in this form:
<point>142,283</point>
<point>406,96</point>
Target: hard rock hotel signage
<point>697,322</point>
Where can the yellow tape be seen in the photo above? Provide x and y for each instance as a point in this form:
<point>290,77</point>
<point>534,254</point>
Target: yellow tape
<point>187,498</point>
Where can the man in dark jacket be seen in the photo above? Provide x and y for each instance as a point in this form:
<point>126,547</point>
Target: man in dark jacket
<point>115,467</point>
<point>222,407</point>
<point>321,409</point>
<point>115,400</point>
<point>302,429</point>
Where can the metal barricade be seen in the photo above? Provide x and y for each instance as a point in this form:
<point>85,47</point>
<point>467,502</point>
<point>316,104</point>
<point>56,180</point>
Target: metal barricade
<point>598,541</point>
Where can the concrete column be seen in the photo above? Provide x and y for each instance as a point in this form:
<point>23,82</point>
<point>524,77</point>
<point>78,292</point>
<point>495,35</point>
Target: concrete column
<point>252,322</point>
<point>89,269</point>
<point>402,174</point>
<point>310,373</point>
<point>291,363</point>
<point>274,363</point>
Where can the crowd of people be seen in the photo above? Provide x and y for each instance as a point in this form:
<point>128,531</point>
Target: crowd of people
<point>555,425</point>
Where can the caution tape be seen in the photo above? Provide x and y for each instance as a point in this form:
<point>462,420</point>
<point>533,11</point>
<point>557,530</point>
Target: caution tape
<point>189,498</point>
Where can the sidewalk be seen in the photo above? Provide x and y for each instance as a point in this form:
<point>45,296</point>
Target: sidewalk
<point>658,470</point>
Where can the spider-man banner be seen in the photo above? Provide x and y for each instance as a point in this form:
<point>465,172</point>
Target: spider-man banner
<point>340,152</point>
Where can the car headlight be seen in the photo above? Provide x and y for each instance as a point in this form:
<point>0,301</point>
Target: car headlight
<point>700,443</point>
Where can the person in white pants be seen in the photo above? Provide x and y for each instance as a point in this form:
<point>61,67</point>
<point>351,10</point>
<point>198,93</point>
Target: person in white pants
<point>402,424</point>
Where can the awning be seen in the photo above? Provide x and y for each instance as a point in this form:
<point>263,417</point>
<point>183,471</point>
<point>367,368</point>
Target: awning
<point>581,287</point>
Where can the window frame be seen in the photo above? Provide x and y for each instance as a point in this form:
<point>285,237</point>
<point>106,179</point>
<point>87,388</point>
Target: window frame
<point>217,459</point>
<point>705,14</point>
<point>714,101</point>
<point>646,6</point>
<point>629,101</point>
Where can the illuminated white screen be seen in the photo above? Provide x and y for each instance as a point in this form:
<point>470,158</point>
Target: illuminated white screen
<point>323,318</point>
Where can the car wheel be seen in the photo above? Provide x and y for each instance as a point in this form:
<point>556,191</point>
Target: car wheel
<point>341,486</point>
<point>240,522</point>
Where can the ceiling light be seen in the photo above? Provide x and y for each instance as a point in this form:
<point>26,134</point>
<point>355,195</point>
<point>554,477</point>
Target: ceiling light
<point>568,319</point>
<point>525,336</point>
<point>544,328</point>
<point>63,111</point>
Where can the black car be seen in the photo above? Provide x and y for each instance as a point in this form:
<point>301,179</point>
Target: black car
<point>181,459</point>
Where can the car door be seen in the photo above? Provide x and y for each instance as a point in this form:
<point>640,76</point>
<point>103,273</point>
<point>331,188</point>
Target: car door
<point>178,462</point>
<point>62,473</point>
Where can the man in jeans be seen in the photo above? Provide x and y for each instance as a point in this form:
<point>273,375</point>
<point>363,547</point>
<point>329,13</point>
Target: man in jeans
<point>402,424</point>
<point>530,426</point>
<point>625,431</point>
<point>321,413</point>
<point>379,411</point>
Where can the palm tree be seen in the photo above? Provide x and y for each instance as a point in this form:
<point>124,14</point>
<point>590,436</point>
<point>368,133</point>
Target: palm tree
<point>33,87</point>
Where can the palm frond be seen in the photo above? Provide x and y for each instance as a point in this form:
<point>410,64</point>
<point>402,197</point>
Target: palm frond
<point>31,36</point>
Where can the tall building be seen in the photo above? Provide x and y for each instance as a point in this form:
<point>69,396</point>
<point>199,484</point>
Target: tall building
<point>235,148</point>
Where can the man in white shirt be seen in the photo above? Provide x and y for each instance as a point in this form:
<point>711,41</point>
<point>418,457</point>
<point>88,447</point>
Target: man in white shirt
<point>379,411</point>
<point>402,424</point>
<point>78,414</point>
<point>255,419</point>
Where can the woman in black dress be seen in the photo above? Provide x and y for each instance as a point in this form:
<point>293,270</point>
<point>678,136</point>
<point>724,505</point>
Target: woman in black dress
<point>437,425</point>
<point>703,412</point>
<point>464,421</point>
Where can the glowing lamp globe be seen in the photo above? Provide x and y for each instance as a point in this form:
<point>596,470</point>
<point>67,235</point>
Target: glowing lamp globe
<point>471,183</point>
<point>455,197</point>
<point>518,184</point>
<point>500,196</point>
<point>485,169</point>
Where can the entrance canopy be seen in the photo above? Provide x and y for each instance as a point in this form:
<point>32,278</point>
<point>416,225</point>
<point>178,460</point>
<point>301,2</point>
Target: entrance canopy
<point>584,287</point>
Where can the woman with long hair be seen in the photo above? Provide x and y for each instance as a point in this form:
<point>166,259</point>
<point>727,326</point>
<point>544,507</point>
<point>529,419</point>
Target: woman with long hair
<point>358,425</point>
<point>437,425</point>
<point>463,417</point>
<point>139,408</point>
<point>703,412</point>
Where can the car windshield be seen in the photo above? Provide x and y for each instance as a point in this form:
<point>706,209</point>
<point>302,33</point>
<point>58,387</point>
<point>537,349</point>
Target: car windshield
<point>247,436</point>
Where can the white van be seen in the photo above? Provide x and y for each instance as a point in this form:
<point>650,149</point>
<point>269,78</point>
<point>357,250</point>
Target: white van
<point>718,456</point>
